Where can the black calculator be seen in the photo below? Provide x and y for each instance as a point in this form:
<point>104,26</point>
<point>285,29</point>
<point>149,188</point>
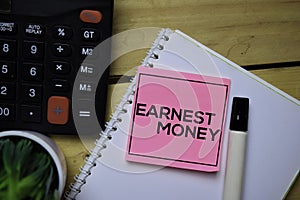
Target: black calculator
<point>42,48</point>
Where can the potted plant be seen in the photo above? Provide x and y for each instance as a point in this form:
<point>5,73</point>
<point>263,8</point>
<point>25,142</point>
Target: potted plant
<point>31,167</point>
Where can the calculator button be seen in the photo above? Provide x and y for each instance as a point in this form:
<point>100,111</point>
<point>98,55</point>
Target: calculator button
<point>88,51</point>
<point>7,112</point>
<point>34,30</point>
<point>31,113</point>
<point>8,48</point>
<point>7,90</point>
<point>8,28</point>
<point>87,70</point>
<point>84,110</point>
<point>62,32</point>
<point>32,92</point>
<point>7,70</point>
<point>60,85</point>
<point>59,67</point>
<point>90,34</point>
<point>90,16</point>
<point>32,72</point>
<point>33,50</point>
<point>61,50</point>
<point>86,89</point>
<point>58,110</point>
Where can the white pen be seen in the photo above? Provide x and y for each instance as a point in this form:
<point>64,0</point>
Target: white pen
<point>233,186</point>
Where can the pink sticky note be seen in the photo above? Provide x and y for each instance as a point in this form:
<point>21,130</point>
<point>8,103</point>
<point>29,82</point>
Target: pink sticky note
<point>178,119</point>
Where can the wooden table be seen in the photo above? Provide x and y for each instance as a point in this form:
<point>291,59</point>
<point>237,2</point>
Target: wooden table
<point>262,36</point>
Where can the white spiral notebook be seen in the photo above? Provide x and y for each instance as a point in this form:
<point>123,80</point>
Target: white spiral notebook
<point>272,160</point>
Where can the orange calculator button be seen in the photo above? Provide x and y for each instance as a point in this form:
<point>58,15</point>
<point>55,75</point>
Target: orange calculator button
<point>91,16</point>
<point>58,110</point>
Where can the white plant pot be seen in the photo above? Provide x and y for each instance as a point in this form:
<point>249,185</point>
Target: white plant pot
<point>50,146</point>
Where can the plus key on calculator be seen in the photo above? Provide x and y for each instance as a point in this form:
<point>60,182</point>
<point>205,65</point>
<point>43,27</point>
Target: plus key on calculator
<point>42,47</point>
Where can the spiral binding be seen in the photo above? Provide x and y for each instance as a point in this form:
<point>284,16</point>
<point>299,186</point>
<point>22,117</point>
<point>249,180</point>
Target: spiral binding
<point>111,126</point>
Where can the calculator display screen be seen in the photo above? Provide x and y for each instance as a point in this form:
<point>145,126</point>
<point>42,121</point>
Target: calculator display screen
<point>45,8</point>
<point>5,6</point>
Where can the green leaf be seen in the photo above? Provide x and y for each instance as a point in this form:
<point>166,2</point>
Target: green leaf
<point>8,154</point>
<point>49,182</point>
<point>22,154</point>
<point>25,173</point>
